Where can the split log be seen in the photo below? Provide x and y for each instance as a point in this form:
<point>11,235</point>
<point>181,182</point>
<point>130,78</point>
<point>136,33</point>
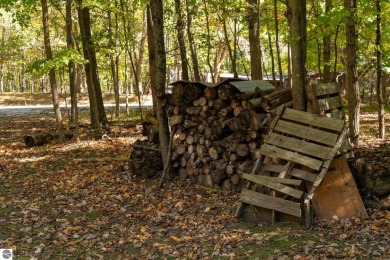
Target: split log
<point>275,99</point>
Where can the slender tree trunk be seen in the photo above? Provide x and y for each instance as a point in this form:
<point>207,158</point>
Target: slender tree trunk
<point>253,17</point>
<point>352,84</point>
<point>141,53</point>
<point>208,39</point>
<point>152,58</point>
<point>126,29</point>
<point>98,113</point>
<point>71,66</point>
<point>271,53</point>
<point>379,85</point>
<point>229,48</point>
<point>296,16</point>
<point>220,55</point>
<point>335,53</point>
<point>326,40</point>
<point>156,7</point>
<point>114,72</point>
<point>280,69</point>
<point>52,75</point>
<point>191,41</point>
<point>1,63</point>
<point>181,40</point>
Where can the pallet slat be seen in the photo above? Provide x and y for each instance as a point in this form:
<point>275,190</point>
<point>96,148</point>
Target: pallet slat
<point>301,146</point>
<point>314,120</point>
<point>273,184</point>
<point>312,134</point>
<point>270,202</point>
<point>298,173</point>
<point>330,103</point>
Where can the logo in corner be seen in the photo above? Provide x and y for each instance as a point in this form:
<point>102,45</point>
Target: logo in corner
<point>6,254</point>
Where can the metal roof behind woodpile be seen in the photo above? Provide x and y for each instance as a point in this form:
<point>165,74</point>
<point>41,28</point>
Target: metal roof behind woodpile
<point>251,85</point>
<point>197,83</point>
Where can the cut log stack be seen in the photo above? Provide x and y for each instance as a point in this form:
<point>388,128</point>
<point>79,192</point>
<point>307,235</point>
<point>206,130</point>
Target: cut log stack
<point>218,131</point>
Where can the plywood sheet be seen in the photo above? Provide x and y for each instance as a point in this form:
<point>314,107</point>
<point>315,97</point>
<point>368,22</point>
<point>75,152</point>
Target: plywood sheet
<point>338,194</point>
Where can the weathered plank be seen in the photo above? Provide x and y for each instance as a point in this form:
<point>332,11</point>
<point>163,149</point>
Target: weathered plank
<point>270,179</point>
<point>298,173</point>
<point>338,194</point>
<point>314,120</point>
<point>326,88</point>
<point>306,132</point>
<point>272,183</point>
<point>270,202</point>
<point>300,146</point>
<point>276,152</point>
<point>330,103</point>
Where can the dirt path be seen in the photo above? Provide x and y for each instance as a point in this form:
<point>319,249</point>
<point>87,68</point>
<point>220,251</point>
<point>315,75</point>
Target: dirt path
<point>56,202</point>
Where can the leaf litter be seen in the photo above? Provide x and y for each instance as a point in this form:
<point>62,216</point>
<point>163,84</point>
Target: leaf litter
<point>54,206</point>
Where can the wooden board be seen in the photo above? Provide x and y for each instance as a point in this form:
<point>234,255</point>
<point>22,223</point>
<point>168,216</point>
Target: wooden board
<point>330,103</point>
<point>314,120</point>
<point>298,173</point>
<point>276,152</point>
<point>307,132</point>
<point>271,182</point>
<point>300,146</point>
<point>270,202</point>
<point>338,194</point>
<point>326,88</point>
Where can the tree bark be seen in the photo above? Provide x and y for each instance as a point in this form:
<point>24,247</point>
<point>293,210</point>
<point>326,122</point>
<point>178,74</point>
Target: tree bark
<point>181,41</point>
<point>379,85</point>
<point>52,75</point>
<point>98,114</point>
<point>326,40</point>
<point>191,42</point>
<point>280,69</point>
<point>156,7</point>
<point>253,17</point>
<point>296,16</point>
<point>71,66</point>
<point>352,84</point>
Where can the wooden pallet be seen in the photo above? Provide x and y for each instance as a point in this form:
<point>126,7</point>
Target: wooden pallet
<point>296,138</point>
<point>325,100</point>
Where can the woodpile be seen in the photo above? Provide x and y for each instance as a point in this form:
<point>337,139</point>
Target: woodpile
<point>218,129</point>
<point>145,160</point>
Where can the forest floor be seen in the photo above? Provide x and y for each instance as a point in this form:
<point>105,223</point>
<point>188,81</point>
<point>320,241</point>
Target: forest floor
<point>74,201</point>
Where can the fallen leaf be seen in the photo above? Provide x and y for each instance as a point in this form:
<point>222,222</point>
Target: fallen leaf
<point>176,239</point>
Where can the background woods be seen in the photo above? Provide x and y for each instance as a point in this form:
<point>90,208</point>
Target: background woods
<point>138,47</point>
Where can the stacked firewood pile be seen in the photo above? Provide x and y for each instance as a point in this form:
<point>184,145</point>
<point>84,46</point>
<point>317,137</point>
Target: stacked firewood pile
<point>218,129</point>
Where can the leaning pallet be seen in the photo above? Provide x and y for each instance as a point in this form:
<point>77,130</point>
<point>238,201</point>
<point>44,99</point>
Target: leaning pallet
<point>296,139</point>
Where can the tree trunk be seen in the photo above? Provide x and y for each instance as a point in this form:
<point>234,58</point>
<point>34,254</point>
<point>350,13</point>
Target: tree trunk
<point>277,43</point>
<point>181,40</point>
<point>352,84</point>
<point>71,66</point>
<point>52,75</point>
<point>208,40</point>
<point>232,54</point>
<point>253,17</point>
<point>98,114</point>
<point>296,16</point>
<point>191,42</point>
<point>112,56</point>
<point>326,40</point>
<point>156,7</point>
<point>379,85</point>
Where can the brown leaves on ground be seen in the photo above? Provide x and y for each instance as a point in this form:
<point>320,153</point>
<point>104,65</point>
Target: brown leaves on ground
<point>57,202</point>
